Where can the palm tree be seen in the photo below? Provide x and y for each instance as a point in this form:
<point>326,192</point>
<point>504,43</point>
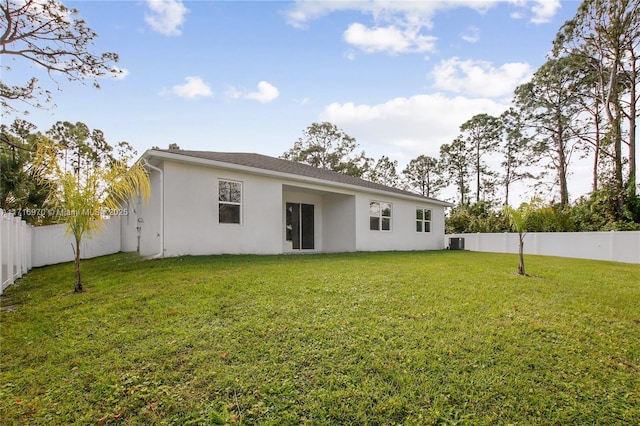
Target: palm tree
<point>518,221</point>
<point>89,189</point>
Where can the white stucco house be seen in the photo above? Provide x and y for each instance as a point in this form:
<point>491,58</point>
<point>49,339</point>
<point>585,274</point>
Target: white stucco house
<point>219,202</point>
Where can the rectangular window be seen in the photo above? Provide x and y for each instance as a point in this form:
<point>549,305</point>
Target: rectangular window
<point>379,216</point>
<point>229,201</point>
<point>423,220</point>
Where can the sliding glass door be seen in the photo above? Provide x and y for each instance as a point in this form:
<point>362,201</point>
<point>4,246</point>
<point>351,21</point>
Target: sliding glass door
<point>300,226</point>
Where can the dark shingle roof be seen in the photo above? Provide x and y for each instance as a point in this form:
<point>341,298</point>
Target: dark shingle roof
<point>265,162</point>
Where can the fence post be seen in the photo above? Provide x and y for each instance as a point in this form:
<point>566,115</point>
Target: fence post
<point>25,245</point>
<point>15,249</point>
<point>19,246</point>
<point>29,252</point>
<point>612,241</point>
<point>11,241</point>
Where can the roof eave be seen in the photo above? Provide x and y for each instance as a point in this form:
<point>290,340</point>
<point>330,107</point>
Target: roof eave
<point>163,155</point>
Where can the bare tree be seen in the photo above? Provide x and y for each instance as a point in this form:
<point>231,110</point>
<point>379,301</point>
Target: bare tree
<point>53,36</point>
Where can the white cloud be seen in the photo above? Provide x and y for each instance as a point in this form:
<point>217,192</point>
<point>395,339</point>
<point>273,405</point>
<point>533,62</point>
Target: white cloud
<point>480,78</point>
<point>398,26</point>
<point>400,13</point>
<point>471,35</point>
<point>544,10</point>
<point>304,11</point>
<point>388,39</point>
<point>166,16</point>
<point>266,93</point>
<point>416,125</point>
<point>194,88</point>
<point>47,9</point>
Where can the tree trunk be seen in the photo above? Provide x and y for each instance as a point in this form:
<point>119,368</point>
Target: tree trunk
<point>611,100</point>
<point>562,171</point>
<point>594,182</point>
<point>478,172</point>
<point>506,195</point>
<point>507,177</point>
<point>619,179</point>
<point>461,186</point>
<point>617,147</point>
<point>596,156</point>
<point>78,287</point>
<point>521,255</point>
<point>631,183</point>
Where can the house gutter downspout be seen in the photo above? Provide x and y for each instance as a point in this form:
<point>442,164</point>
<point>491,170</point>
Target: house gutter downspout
<point>160,254</point>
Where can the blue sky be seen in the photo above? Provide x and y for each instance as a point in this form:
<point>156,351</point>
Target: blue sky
<point>400,77</point>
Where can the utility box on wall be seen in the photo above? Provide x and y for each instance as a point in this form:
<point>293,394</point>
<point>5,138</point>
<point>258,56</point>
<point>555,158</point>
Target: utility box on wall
<point>456,243</point>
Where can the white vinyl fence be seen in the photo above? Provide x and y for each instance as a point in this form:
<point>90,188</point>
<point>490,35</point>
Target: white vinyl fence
<point>622,246</point>
<point>15,248</point>
<point>23,246</point>
<point>51,244</point>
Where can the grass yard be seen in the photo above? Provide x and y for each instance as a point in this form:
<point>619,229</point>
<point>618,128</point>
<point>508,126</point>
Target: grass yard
<point>444,337</point>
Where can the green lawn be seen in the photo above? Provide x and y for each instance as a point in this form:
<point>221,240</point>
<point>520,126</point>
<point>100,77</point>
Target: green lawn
<point>366,338</point>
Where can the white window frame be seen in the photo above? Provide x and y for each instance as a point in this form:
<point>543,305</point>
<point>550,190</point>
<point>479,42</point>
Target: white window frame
<point>422,222</point>
<point>230,203</point>
<point>380,216</point>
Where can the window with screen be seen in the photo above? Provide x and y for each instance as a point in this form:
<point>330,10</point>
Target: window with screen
<point>229,201</point>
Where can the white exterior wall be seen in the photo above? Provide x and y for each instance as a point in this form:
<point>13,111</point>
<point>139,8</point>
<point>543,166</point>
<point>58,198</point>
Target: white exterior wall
<point>191,213</point>
<point>403,234</point>
<point>339,223</point>
<point>128,227</point>
<point>341,216</point>
<point>146,215</point>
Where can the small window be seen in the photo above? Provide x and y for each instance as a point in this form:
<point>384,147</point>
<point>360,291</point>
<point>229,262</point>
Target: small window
<point>379,216</point>
<point>423,220</point>
<point>229,201</point>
